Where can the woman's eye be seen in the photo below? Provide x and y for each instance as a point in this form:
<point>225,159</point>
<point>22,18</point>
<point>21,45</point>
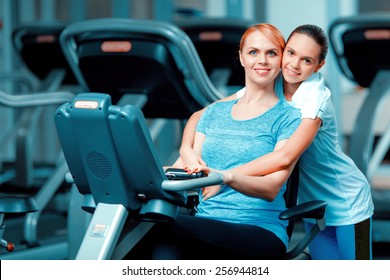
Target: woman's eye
<point>272,53</point>
<point>252,52</point>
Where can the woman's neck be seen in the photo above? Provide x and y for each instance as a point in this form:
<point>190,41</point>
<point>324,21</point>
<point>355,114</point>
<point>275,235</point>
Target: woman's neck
<point>259,95</point>
<point>255,102</point>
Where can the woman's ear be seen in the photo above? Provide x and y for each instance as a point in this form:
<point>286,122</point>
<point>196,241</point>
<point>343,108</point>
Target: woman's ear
<point>319,66</point>
<point>239,55</point>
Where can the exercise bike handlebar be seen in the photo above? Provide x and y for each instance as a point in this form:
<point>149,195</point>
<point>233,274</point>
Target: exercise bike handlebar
<point>213,178</point>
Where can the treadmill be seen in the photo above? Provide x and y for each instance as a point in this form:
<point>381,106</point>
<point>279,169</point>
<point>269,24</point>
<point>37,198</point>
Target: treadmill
<point>217,42</point>
<point>361,45</point>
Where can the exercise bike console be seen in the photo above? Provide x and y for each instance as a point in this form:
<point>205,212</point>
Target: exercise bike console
<point>111,157</point>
